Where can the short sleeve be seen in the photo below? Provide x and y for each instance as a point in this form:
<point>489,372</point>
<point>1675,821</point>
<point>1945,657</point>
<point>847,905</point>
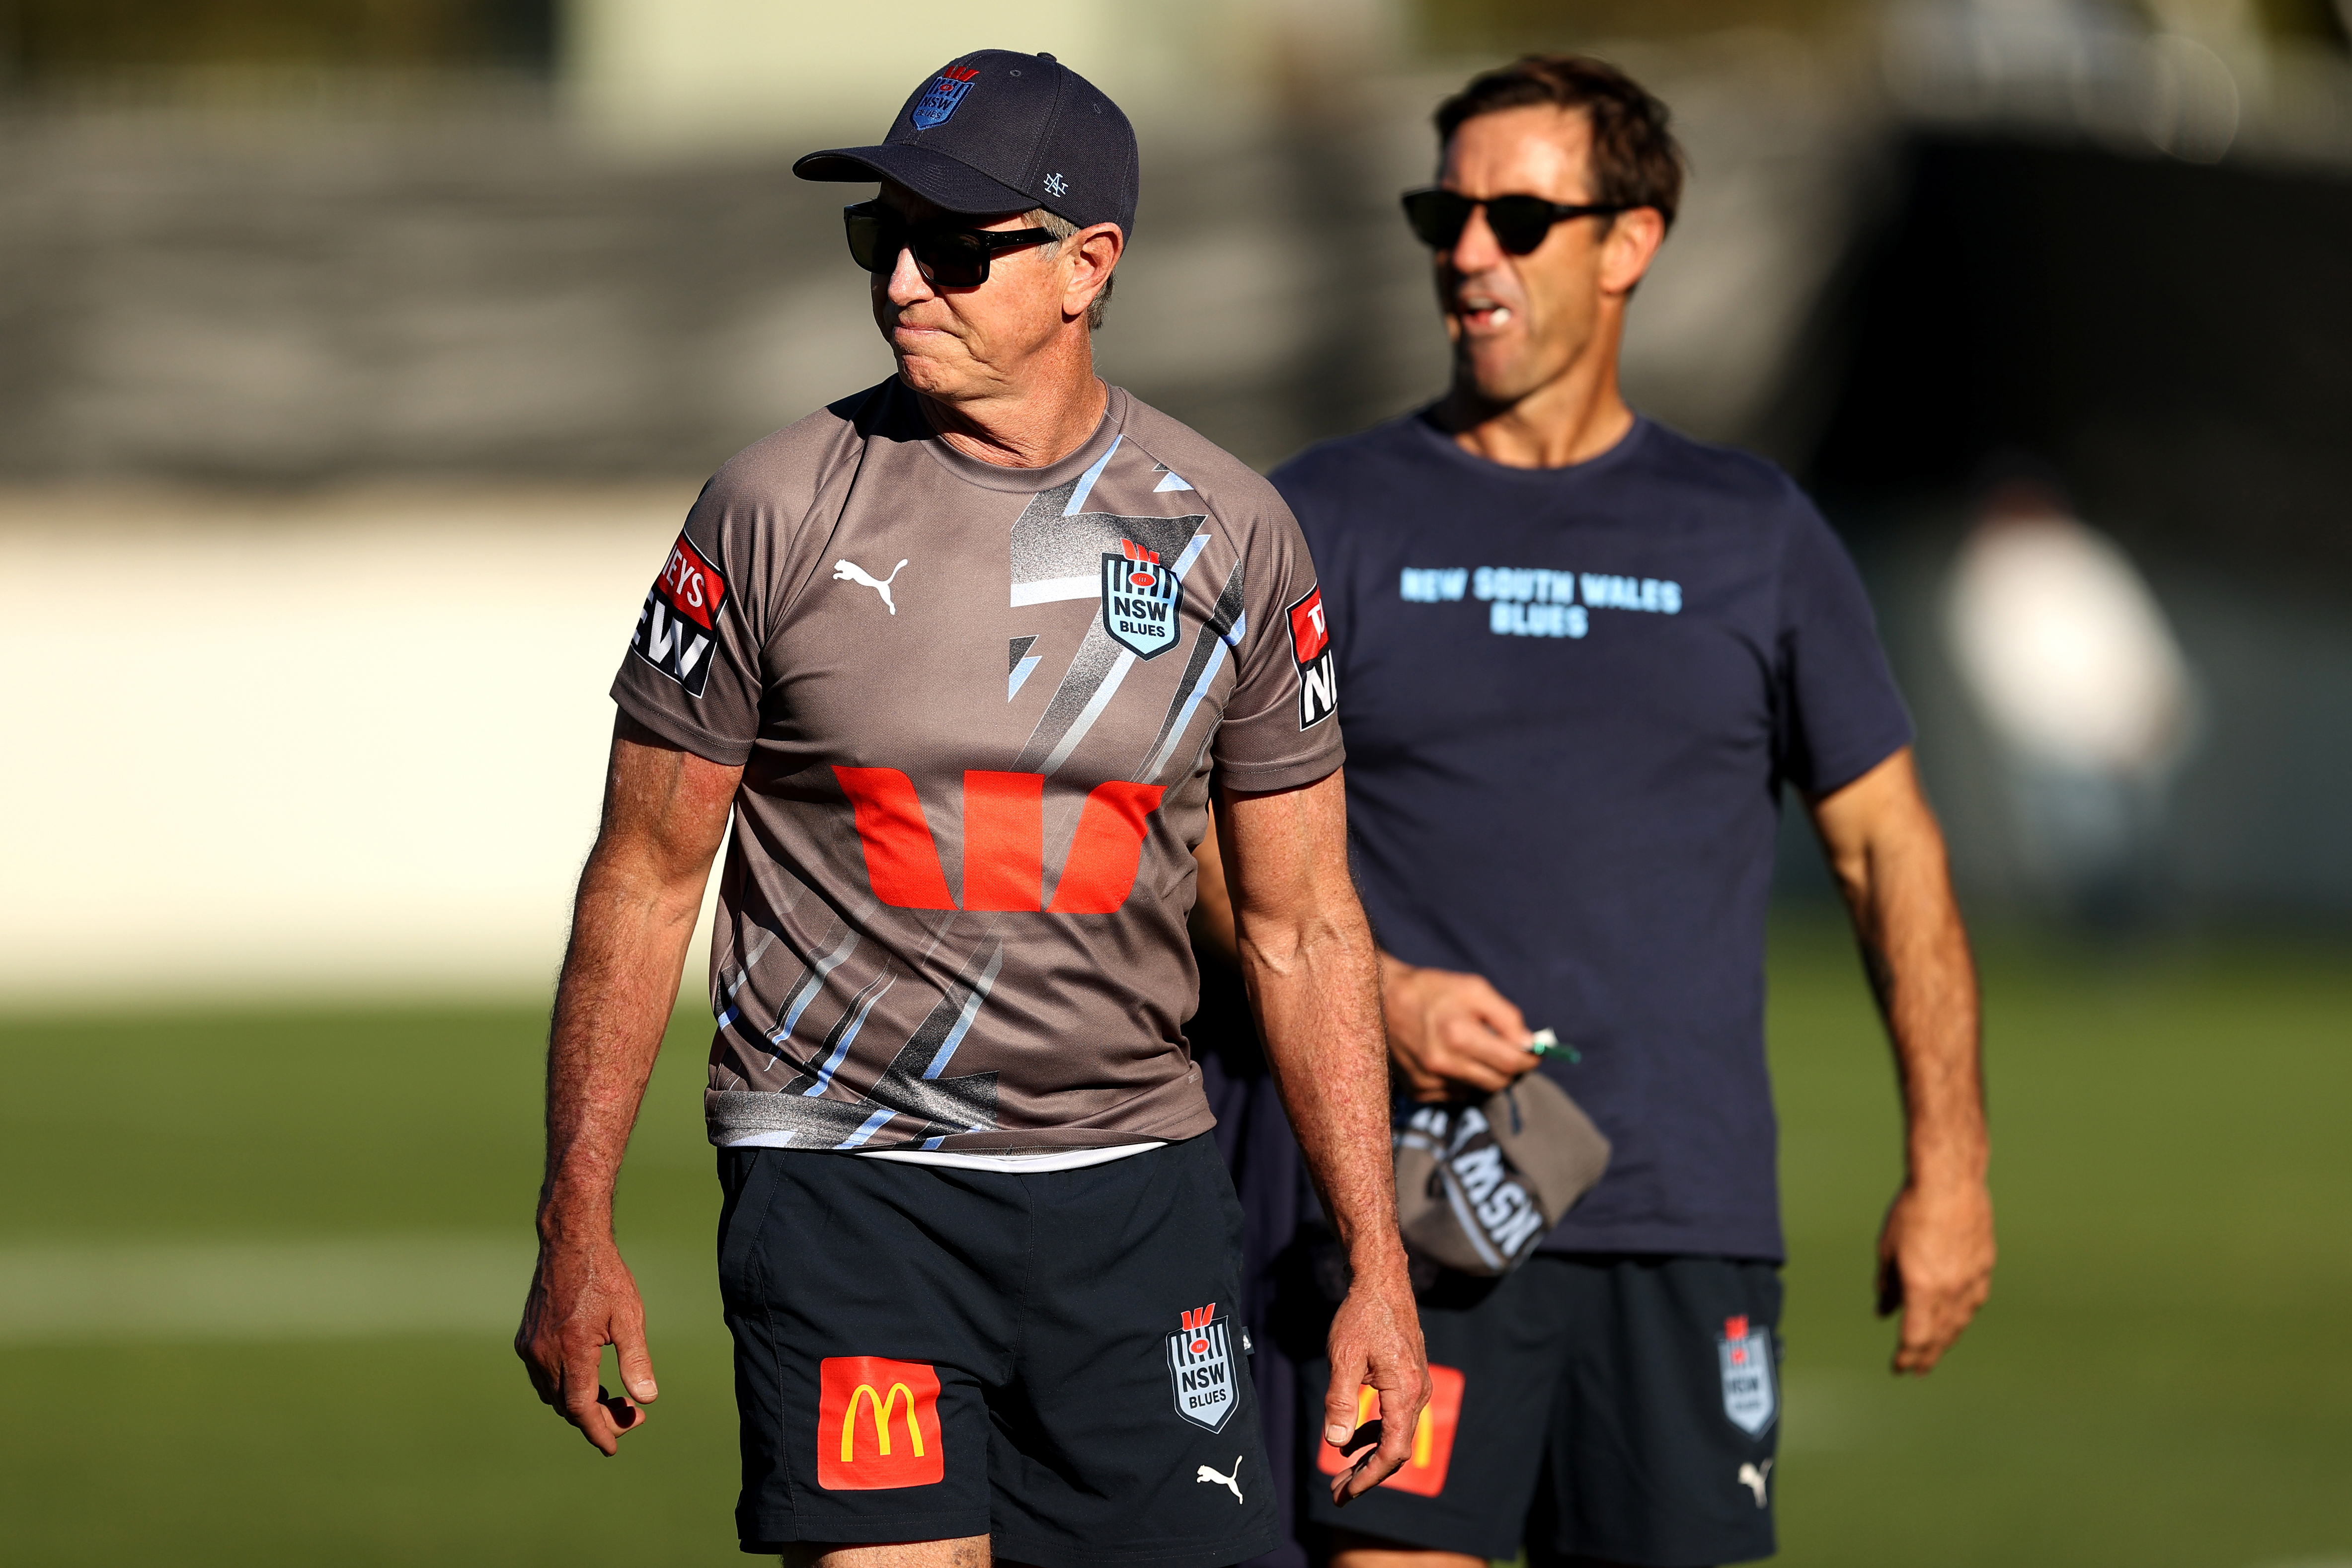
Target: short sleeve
<point>1841,712</point>
<point>1281,725</point>
<point>692,672</point>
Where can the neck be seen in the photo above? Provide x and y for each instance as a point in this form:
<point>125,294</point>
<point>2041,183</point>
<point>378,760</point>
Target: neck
<point>1039,420</point>
<point>1572,418</point>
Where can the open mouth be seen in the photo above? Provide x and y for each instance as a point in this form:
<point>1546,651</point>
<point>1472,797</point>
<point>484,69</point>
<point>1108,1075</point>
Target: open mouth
<point>1479,313</point>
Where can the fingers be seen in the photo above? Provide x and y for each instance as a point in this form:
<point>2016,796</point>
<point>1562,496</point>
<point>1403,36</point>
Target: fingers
<point>1399,1417</point>
<point>1339,1400</point>
<point>1475,1037</point>
<point>1933,1321</point>
<point>585,1403</point>
<point>1362,1447</point>
<point>1496,1011</point>
<point>637,1362</point>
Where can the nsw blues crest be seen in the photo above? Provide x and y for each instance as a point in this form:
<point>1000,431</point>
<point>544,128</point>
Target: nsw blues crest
<point>1749,1398</point>
<point>1142,601</point>
<point>1201,1365</point>
<point>940,100</point>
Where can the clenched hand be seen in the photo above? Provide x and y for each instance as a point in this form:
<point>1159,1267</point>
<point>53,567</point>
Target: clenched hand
<point>1934,1266</point>
<point>1448,1031</point>
<point>583,1297</point>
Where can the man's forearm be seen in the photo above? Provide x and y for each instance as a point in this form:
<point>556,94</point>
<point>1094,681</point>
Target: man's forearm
<point>1317,995</point>
<point>630,931</point>
<point>1916,952</point>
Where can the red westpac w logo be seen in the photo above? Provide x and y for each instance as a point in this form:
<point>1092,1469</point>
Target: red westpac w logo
<point>1004,843</point>
<point>877,1423</point>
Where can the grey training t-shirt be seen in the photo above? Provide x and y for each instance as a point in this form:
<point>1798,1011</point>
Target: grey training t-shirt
<point>977,709</point>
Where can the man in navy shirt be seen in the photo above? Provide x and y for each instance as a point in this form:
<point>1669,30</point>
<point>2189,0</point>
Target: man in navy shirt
<point>1580,655</point>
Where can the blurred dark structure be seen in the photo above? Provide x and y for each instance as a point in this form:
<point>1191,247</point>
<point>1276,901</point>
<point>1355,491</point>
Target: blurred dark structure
<point>53,42</point>
<point>2175,340</point>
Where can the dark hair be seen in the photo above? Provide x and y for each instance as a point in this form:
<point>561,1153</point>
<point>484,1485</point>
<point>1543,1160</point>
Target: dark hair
<point>1636,162</point>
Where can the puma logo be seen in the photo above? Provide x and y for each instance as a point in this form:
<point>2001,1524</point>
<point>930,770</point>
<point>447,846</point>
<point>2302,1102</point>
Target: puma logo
<point>1752,1478</point>
<point>1231,1483</point>
<point>848,570</point>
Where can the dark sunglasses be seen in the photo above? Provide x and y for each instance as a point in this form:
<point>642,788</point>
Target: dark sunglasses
<point>1520,223</point>
<point>957,257</point>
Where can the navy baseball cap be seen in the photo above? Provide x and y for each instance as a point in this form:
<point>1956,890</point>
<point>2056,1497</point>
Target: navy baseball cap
<point>995,131</point>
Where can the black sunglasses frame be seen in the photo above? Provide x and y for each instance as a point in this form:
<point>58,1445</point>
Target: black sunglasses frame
<point>1520,224</point>
<point>946,254</point>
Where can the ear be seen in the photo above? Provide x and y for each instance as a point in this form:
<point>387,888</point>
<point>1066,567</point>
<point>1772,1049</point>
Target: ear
<point>1092,253</point>
<point>1632,243</point>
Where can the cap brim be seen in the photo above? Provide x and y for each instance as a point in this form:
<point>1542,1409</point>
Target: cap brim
<point>949,184</point>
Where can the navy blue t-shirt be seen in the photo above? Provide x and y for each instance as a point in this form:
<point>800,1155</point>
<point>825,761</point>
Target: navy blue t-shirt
<point>1572,697</point>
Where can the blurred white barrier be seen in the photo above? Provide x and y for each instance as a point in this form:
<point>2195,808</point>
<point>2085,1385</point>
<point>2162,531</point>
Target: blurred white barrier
<point>98,1292</point>
<point>346,745</point>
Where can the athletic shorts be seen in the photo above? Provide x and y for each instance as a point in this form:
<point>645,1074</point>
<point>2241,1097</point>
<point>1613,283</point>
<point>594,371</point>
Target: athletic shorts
<point>1620,1408</point>
<point>1049,1358</point>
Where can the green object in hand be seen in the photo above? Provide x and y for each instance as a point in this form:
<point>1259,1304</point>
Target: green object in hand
<point>1547,1044</point>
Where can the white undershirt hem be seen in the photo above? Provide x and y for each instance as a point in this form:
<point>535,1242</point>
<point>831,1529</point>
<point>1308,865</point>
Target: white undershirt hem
<point>1014,1164</point>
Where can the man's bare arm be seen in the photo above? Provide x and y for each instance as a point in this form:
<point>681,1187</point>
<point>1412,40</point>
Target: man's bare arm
<point>1935,1251</point>
<point>1307,960</point>
<point>665,813</point>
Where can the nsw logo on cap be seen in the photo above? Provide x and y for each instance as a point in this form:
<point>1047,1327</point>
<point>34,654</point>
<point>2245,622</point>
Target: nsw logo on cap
<point>934,107</point>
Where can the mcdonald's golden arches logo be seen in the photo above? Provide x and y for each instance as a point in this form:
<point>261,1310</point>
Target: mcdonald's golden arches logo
<point>877,1423</point>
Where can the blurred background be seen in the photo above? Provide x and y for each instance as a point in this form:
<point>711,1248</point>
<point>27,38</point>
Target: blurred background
<point>358,359</point>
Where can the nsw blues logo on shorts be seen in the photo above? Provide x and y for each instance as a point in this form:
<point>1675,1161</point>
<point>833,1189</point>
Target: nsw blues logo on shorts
<point>940,100</point>
<point>1142,601</point>
<point>1201,1364</point>
<point>1749,1397</point>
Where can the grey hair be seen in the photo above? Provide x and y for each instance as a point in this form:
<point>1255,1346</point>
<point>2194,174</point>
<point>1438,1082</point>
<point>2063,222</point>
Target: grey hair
<point>1062,229</point>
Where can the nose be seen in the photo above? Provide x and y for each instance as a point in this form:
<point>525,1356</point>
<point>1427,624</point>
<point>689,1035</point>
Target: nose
<point>1476,249</point>
<point>908,285</point>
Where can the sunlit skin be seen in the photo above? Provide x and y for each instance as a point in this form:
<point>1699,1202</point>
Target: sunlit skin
<point>1535,336</point>
<point>1006,367</point>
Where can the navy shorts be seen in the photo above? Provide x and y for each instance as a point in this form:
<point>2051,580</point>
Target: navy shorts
<point>1620,1408</point>
<point>1051,1359</point>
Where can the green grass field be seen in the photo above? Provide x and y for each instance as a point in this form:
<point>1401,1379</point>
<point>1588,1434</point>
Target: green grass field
<point>2157,1381</point>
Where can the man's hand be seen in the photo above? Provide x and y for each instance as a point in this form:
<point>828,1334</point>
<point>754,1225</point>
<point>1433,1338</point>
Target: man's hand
<point>583,1297</point>
<point>1376,1342</point>
<point>1934,1266</point>
<point>1450,1031</point>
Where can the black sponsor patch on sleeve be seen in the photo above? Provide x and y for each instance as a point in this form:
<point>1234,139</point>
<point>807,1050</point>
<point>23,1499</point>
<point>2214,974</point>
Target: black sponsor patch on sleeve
<point>1318,668</point>
<point>678,629</point>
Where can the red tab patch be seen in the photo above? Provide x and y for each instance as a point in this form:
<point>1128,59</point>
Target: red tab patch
<point>1309,635</point>
<point>675,630</point>
<point>691,584</point>
<point>1319,667</point>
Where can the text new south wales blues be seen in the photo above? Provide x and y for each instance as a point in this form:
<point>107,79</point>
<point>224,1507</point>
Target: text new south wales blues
<point>1537,602</point>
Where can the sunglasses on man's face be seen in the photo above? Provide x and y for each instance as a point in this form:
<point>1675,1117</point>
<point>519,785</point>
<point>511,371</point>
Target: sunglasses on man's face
<point>946,254</point>
<point>1519,223</point>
